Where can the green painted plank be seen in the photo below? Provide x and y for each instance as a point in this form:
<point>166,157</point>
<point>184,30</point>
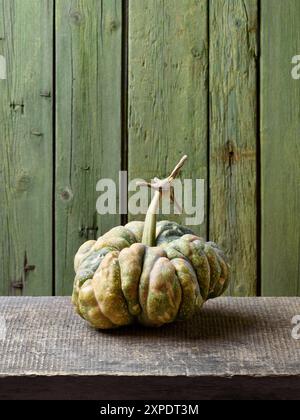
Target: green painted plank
<point>26,147</point>
<point>233,129</point>
<point>280,148</point>
<point>88,133</point>
<point>168,90</point>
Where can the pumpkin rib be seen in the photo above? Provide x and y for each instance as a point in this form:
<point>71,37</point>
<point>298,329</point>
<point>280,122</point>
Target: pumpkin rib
<point>136,228</point>
<point>215,267</point>
<point>205,270</point>
<point>167,231</point>
<point>220,286</point>
<point>90,309</point>
<point>219,251</point>
<point>130,260</point>
<point>123,232</point>
<point>108,292</point>
<point>86,271</point>
<point>82,252</point>
<point>189,250</point>
<point>191,299</point>
<point>164,294</point>
<point>175,254</point>
<point>151,256</point>
<point>172,252</point>
<point>226,273</point>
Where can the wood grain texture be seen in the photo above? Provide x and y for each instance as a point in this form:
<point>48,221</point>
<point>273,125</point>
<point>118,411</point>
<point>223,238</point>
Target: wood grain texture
<point>233,129</point>
<point>26,147</point>
<point>280,149</point>
<point>168,60</point>
<point>234,348</point>
<point>88,132</point>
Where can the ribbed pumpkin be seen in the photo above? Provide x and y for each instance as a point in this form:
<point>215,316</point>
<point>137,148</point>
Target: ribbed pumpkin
<point>153,273</point>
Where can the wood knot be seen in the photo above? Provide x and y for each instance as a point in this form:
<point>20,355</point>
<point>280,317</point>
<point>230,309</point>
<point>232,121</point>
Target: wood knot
<point>113,26</point>
<point>231,152</point>
<point>23,183</point>
<point>66,194</point>
<point>17,107</point>
<point>76,17</point>
<point>238,23</point>
<point>195,52</point>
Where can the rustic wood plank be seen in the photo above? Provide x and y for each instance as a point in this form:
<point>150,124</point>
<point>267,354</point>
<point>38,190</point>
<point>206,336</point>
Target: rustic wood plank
<point>168,62</point>
<point>280,151</point>
<point>88,133</point>
<point>234,346</point>
<point>233,129</point>
<point>26,147</point>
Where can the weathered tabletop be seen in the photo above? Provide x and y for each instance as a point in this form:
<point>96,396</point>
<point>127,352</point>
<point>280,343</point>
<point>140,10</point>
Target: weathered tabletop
<point>236,348</point>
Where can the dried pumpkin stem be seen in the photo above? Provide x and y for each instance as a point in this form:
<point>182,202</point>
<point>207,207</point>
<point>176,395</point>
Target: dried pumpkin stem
<point>160,186</point>
<point>149,232</point>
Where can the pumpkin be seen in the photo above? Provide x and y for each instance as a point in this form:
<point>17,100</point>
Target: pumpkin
<point>147,272</point>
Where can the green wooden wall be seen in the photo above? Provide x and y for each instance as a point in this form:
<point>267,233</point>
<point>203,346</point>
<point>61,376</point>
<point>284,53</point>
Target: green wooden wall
<point>98,86</point>
<point>280,148</point>
<point>26,147</point>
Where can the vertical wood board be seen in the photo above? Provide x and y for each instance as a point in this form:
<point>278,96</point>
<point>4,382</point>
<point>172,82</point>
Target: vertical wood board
<point>280,149</point>
<point>26,145</point>
<point>233,134</point>
<point>88,123</point>
<point>168,66</point>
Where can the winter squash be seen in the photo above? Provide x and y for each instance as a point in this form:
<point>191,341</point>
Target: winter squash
<point>147,272</point>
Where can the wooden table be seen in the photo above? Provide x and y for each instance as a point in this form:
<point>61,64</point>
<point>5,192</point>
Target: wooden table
<point>236,348</point>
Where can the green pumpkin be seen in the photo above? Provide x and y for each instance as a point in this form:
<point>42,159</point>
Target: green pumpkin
<point>151,273</point>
